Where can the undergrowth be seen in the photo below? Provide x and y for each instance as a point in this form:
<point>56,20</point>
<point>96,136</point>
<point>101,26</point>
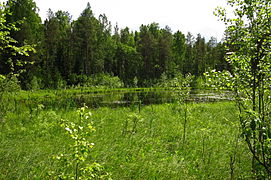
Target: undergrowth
<point>130,142</point>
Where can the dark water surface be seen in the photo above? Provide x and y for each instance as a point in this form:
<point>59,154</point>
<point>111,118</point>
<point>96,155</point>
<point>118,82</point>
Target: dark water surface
<point>152,96</point>
<point>119,97</point>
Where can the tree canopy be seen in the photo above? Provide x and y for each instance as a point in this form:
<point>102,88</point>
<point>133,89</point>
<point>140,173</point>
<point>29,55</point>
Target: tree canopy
<point>67,48</point>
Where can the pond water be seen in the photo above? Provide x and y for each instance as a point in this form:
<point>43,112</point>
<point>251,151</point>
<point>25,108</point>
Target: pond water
<point>119,97</point>
<point>152,96</point>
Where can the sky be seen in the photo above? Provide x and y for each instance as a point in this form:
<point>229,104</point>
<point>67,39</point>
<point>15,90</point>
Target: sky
<point>195,16</point>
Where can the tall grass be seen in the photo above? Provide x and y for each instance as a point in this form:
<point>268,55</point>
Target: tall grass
<point>130,144</point>
<point>157,151</point>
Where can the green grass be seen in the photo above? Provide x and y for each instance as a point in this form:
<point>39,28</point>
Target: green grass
<point>128,143</point>
<point>78,96</point>
<point>157,151</point>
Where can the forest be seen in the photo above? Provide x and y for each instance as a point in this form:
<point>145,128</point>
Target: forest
<point>85,99</point>
<point>68,53</point>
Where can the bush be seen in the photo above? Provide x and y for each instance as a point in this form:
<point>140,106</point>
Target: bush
<point>177,81</point>
<point>35,83</point>
<point>100,80</point>
<point>108,81</point>
<point>9,84</point>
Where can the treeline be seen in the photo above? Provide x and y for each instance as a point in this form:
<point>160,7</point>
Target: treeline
<point>72,52</point>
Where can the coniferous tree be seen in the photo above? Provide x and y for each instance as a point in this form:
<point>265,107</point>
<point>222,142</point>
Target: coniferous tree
<point>64,56</point>
<point>108,44</point>
<point>86,47</point>
<point>179,49</point>
<point>57,60</point>
<point>149,50</point>
<point>189,54</point>
<point>85,43</point>
<point>165,43</point>
<point>200,56</point>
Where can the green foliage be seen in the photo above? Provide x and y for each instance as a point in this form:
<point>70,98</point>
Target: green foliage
<point>87,47</point>
<point>13,65</point>
<point>156,150</point>
<point>131,124</point>
<point>27,35</point>
<point>35,83</point>
<point>97,81</point>
<point>11,46</point>
<point>181,84</point>
<point>107,81</point>
<point>9,84</point>
<point>152,147</point>
<point>219,80</point>
<point>73,163</point>
<point>57,62</point>
<point>75,79</point>
<point>177,81</point>
<point>248,54</point>
<point>128,63</point>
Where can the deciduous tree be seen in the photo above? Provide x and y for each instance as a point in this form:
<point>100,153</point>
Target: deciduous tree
<point>248,37</point>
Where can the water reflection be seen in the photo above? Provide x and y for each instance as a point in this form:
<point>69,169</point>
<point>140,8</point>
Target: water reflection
<point>145,97</point>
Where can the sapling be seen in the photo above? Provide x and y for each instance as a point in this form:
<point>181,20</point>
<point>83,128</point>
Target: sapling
<point>233,158</point>
<point>15,64</point>
<point>248,37</point>
<point>131,123</point>
<point>74,163</point>
<point>183,87</point>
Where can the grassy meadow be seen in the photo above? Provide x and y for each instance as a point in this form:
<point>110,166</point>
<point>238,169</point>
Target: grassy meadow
<point>156,141</point>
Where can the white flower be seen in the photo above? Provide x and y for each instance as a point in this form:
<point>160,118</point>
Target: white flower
<point>68,129</point>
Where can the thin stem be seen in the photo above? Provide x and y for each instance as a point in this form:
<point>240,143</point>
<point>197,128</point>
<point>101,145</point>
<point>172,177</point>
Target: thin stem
<point>185,122</point>
<point>76,171</point>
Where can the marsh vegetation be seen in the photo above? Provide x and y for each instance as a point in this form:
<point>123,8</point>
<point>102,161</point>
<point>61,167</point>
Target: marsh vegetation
<point>81,102</point>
